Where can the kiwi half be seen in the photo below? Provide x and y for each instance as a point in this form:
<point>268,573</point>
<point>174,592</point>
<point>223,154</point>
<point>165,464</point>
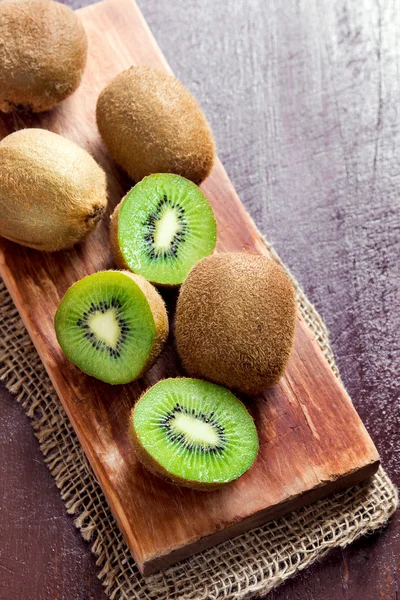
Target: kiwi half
<point>112,325</point>
<point>43,48</point>
<point>235,321</point>
<point>194,433</point>
<point>151,123</point>
<point>52,192</point>
<point>162,227</point>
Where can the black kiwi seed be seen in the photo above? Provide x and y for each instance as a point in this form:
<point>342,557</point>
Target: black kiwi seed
<point>103,306</point>
<point>150,223</point>
<point>165,423</point>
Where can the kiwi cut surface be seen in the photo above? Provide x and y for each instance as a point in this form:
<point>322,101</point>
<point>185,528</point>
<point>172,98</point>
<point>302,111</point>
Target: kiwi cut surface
<point>43,48</point>
<point>235,321</point>
<point>162,227</point>
<point>151,123</point>
<point>52,192</point>
<point>112,325</point>
<point>194,433</point>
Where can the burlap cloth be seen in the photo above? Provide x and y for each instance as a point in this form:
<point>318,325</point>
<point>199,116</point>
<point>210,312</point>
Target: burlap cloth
<point>251,564</point>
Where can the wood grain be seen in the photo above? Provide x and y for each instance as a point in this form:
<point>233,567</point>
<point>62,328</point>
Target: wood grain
<point>312,440</point>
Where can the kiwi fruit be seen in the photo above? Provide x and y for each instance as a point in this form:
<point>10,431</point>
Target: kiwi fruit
<point>52,192</point>
<point>193,433</point>
<point>162,227</point>
<point>151,123</point>
<point>235,321</point>
<point>43,48</point>
<point>112,325</point>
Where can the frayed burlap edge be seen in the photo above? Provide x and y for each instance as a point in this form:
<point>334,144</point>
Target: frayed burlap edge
<point>253,563</point>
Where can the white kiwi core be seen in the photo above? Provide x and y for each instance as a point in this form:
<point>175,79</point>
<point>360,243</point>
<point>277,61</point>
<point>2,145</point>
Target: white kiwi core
<point>105,326</point>
<point>166,227</point>
<point>195,430</point>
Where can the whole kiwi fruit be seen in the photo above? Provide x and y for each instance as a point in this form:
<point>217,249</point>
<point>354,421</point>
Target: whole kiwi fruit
<point>235,321</point>
<point>43,48</point>
<point>151,123</point>
<point>52,192</point>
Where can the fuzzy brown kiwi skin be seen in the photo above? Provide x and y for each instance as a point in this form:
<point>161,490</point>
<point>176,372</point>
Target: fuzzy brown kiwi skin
<point>52,192</point>
<point>154,467</point>
<point>116,251</point>
<point>235,321</point>
<point>159,312</point>
<point>38,67</point>
<point>166,132</point>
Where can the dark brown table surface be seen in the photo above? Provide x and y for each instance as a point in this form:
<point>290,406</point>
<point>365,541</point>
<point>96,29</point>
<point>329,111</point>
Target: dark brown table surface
<point>303,99</point>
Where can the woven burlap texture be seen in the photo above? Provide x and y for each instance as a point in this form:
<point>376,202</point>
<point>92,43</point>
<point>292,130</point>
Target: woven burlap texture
<point>251,564</point>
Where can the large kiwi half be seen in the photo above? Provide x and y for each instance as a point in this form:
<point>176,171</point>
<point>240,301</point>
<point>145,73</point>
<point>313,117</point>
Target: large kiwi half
<point>112,325</point>
<point>162,227</point>
<point>43,48</point>
<point>194,433</point>
<point>152,124</point>
<point>235,321</point>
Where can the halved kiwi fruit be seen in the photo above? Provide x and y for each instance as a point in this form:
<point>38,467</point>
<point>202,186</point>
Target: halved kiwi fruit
<point>194,433</point>
<point>163,227</point>
<point>112,325</point>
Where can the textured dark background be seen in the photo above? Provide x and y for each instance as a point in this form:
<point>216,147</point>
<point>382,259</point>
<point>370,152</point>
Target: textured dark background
<point>303,99</point>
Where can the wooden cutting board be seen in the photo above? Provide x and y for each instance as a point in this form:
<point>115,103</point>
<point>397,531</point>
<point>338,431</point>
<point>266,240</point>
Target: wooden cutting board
<point>312,441</point>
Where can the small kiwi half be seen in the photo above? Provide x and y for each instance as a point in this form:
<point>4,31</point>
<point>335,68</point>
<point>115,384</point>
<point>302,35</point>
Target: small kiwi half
<point>194,433</point>
<point>43,48</point>
<point>162,227</point>
<point>112,325</point>
<point>235,321</point>
<point>151,123</point>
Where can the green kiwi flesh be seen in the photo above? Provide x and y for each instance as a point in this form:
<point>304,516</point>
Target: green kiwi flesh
<point>194,433</point>
<point>151,123</point>
<point>112,325</point>
<point>163,227</point>
<point>235,321</point>
<point>43,49</point>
